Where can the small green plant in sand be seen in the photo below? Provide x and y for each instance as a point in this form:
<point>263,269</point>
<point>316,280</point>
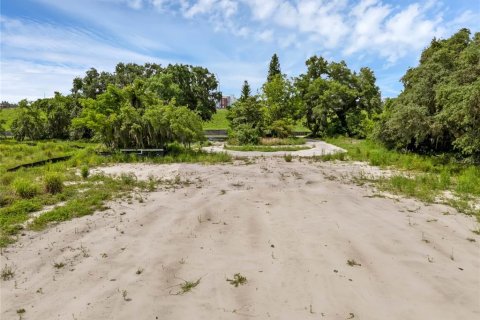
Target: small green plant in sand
<point>288,157</point>
<point>7,273</point>
<point>85,172</point>
<point>58,265</point>
<point>237,280</point>
<point>20,313</point>
<point>353,263</point>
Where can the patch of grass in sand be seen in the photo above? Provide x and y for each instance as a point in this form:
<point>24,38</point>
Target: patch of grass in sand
<point>288,157</point>
<point>425,177</point>
<point>188,286</point>
<point>237,280</point>
<point>261,148</point>
<point>353,263</point>
<point>70,182</point>
<point>7,273</point>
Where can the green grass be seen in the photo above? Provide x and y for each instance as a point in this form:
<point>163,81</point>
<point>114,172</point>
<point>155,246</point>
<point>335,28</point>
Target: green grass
<point>218,122</point>
<point>265,148</point>
<point>421,177</point>
<point>282,142</point>
<point>8,115</point>
<point>30,189</point>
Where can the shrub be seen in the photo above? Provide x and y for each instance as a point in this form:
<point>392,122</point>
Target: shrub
<point>85,172</point>
<point>245,134</point>
<point>25,189</point>
<point>288,157</point>
<point>53,183</point>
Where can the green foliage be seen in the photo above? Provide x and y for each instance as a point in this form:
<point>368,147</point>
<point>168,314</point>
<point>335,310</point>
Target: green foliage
<point>218,122</point>
<point>29,123</point>
<point>337,100</point>
<point>246,91</point>
<point>133,117</point>
<point>261,148</point>
<point>438,110</point>
<point>7,115</point>
<point>274,68</point>
<point>84,171</point>
<point>53,183</point>
<point>25,188</point>
<point>244,134</point>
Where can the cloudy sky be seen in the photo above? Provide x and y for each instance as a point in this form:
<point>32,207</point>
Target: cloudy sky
<point>46,43</point>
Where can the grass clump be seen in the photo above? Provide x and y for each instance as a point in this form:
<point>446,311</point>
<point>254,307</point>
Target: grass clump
<point>288,157</point>
<point>187,286</point>
<point>25,189</point>
<point>237,280</point>
<point>7,273</point>
<point>84,171</point>
<point>353,263</point>
<point>53,183</point>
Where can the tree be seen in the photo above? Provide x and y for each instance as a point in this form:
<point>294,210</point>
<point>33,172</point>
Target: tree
<point>280,106</point>
<point>336,100</point>
<point>29,123</point>
<point>274,68</point>
<point>246,120</point>
<point>439,108</point>
<point>246,92</point>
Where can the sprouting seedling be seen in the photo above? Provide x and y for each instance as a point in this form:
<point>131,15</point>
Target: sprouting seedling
<point>237,280</point>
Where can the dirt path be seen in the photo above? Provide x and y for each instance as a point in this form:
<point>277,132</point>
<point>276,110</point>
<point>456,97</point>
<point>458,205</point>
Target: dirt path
<point>289,228</point>
<point>317,148</point>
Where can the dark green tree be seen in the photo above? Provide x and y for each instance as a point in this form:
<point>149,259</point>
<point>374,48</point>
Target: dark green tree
<point>439,107</point>
<point>274,68</point>
<point>246,92</point>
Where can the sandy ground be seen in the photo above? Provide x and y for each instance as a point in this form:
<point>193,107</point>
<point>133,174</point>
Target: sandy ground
<point>289,228</point>
<point>317,148</point>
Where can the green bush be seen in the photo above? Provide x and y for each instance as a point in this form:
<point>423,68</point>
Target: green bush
<point>85,172</point>
<point>53,183</point>
<point>25,189</point>
<point>245,134</point>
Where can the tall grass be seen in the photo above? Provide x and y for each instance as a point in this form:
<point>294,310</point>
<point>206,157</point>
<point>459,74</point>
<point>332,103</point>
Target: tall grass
<point>420,176</point>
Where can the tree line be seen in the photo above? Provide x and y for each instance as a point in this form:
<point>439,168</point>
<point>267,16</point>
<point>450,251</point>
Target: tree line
<point>135,106</point>
<point>437,111</point>
<point>150,105</point>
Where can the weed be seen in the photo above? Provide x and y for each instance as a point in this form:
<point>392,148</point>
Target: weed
<point>288,157</point>
<point>237,280</point>
<point>25,189</point>
<point>85,172</point>
<point>139,271</point>
<point>20,313</point>
<point>53,183</point>
<point>58,265</point>
<point>222,192</point>
<point>7,273</point>
<point>477,231</point>
<point>187,286</point>
<point>124,295</point>
<point>471,239</point>
<point>265,148</point>
<point>353,263</point>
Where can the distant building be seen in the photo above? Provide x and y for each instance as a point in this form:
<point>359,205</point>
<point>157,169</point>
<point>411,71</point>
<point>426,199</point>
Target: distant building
<point>226,101</point>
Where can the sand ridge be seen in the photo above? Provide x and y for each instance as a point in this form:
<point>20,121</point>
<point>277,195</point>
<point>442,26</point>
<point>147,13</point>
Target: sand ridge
<point>289,228</point>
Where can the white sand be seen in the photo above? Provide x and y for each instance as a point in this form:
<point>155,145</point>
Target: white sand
<point>288,227</point>
<point>317,148</point>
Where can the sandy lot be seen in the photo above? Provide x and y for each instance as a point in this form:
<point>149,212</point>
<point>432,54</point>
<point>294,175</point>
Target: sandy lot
<point>289,228</point>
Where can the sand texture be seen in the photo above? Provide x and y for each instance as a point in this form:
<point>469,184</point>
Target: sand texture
<point>289,228</point>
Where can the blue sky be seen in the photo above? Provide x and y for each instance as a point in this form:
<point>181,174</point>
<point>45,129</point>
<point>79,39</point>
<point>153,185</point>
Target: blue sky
<point>46,43</point>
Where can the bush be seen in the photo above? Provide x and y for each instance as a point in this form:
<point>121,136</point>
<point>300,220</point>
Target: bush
<point>281,128</point>
<point>245,134</point>
<point>25,189</point>
<point>53,183</point>
<point>288,157</point>
<point>85,172</point>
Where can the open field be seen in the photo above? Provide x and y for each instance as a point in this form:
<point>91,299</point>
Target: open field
<point>309,241</point>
